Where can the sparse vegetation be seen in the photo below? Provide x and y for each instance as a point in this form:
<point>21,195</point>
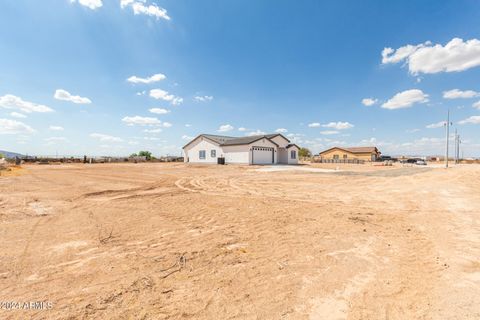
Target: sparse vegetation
<point>304,153</point>
<point>146,154</point>
<point>2,156</point>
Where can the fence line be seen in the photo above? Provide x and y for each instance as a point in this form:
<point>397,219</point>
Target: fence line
<point>348,161</point>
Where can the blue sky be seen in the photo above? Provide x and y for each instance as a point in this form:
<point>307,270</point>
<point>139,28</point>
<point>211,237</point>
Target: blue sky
<point>113,77</point>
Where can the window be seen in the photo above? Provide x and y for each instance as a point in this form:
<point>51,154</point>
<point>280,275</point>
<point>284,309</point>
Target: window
<point>201,154</point>
<point>213,153</point>
<point>293,154</point>
<point>336,157</point>
<point>344,156</point>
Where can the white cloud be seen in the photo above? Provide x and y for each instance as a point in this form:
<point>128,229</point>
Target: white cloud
<point>61,94</point>
<point>91,4</point>
<point>164,95</point>
<point>256,133</point>
<point>56,139</point>
<point>296,137</point>
<point>17,115</point>
<point>472,120</point>
<point>242,129</point>
<point>412,130</point>
<point>188,125</point>
<point>159,110</point>
<point>225,128</point>
<point>143,121</point>
<point>185,137</point>
<point>369,101</point>
<point>55,128</point>
<point>476,104</point>
<point>203,98</point>
<point>9,101</point>
<point>104,137</point>
<point>155,78</point>
<point>456,55</point>
<point>338,125</point>
<point>166,124</point>
<point>314,125</point>
<point>139,7</point>
<point>114,147</point>
<point>329,132</point>
<point>8,126</point>
<point>436,125</point>
<point>406,99</point>
<point>151,138</point>
<point>281,130</point>
<point>156,130</point>
<point>457,94</point>
<point>125,3</point>
<point>390,55</point>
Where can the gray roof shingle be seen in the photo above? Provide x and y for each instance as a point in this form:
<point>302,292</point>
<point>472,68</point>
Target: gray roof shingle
<point>232,141</point>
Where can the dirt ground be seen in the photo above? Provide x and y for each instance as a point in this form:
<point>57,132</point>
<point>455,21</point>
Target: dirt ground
<point>175,241</point>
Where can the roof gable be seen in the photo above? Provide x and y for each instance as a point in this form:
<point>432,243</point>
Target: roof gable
<point>246,140</point>
<point>233,141</point>
<point>212,138</point>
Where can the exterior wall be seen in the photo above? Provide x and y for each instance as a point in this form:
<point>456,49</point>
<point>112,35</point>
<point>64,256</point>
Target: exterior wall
<point>367,156</point>
<point>282,155</point>
<point>237,154</point>
<point>282,143</point>
<point>341,153</point>
<point>290,159</point>
<point>191,152</point>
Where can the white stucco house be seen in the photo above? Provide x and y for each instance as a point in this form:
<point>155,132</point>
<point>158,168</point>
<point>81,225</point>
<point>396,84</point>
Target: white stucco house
<point>261,149</point>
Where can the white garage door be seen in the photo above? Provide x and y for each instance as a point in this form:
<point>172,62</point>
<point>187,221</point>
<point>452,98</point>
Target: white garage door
<point>262,155</point>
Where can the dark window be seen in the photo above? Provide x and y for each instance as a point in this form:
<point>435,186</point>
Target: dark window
<point>201,154</point>
<point>344,156</point>
<point>213,153</point>
<point>336,157</point>
<point>293,154</point>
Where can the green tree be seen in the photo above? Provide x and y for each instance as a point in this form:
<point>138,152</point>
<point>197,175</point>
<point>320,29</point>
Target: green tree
<point>2,156</point>
<point>146,154</point>
<point>133,155</point>
<point>304,153</point>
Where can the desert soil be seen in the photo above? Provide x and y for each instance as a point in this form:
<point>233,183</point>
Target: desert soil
<point>176,241</point>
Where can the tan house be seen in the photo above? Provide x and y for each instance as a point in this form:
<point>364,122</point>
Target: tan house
<point>358,153</point>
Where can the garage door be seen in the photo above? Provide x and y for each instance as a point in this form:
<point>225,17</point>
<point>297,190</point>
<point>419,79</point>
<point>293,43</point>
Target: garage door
<point>262,155</point>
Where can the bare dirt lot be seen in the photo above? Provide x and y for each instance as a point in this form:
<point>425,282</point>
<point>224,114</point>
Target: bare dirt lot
<point>173,241</point>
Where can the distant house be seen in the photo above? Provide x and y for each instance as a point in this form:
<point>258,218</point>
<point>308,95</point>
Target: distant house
<point>259,149</point>
<point>358,153</point>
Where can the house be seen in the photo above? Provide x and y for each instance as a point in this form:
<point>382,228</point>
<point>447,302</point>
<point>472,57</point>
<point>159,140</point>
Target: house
<point>357,153</point>
<point>259,149</point>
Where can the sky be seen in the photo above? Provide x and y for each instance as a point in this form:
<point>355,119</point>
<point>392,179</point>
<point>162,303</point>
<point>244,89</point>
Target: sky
<point>112,77</point>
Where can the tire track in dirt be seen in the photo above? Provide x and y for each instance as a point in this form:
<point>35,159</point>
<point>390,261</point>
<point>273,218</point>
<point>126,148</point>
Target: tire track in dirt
<point>266,188</point>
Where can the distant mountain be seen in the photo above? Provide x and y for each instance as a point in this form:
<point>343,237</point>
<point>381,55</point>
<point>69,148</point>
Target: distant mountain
<point>9,154</point>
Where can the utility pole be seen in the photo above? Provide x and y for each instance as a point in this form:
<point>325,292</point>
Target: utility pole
<point>447,133</point>
<point>456,147</point>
